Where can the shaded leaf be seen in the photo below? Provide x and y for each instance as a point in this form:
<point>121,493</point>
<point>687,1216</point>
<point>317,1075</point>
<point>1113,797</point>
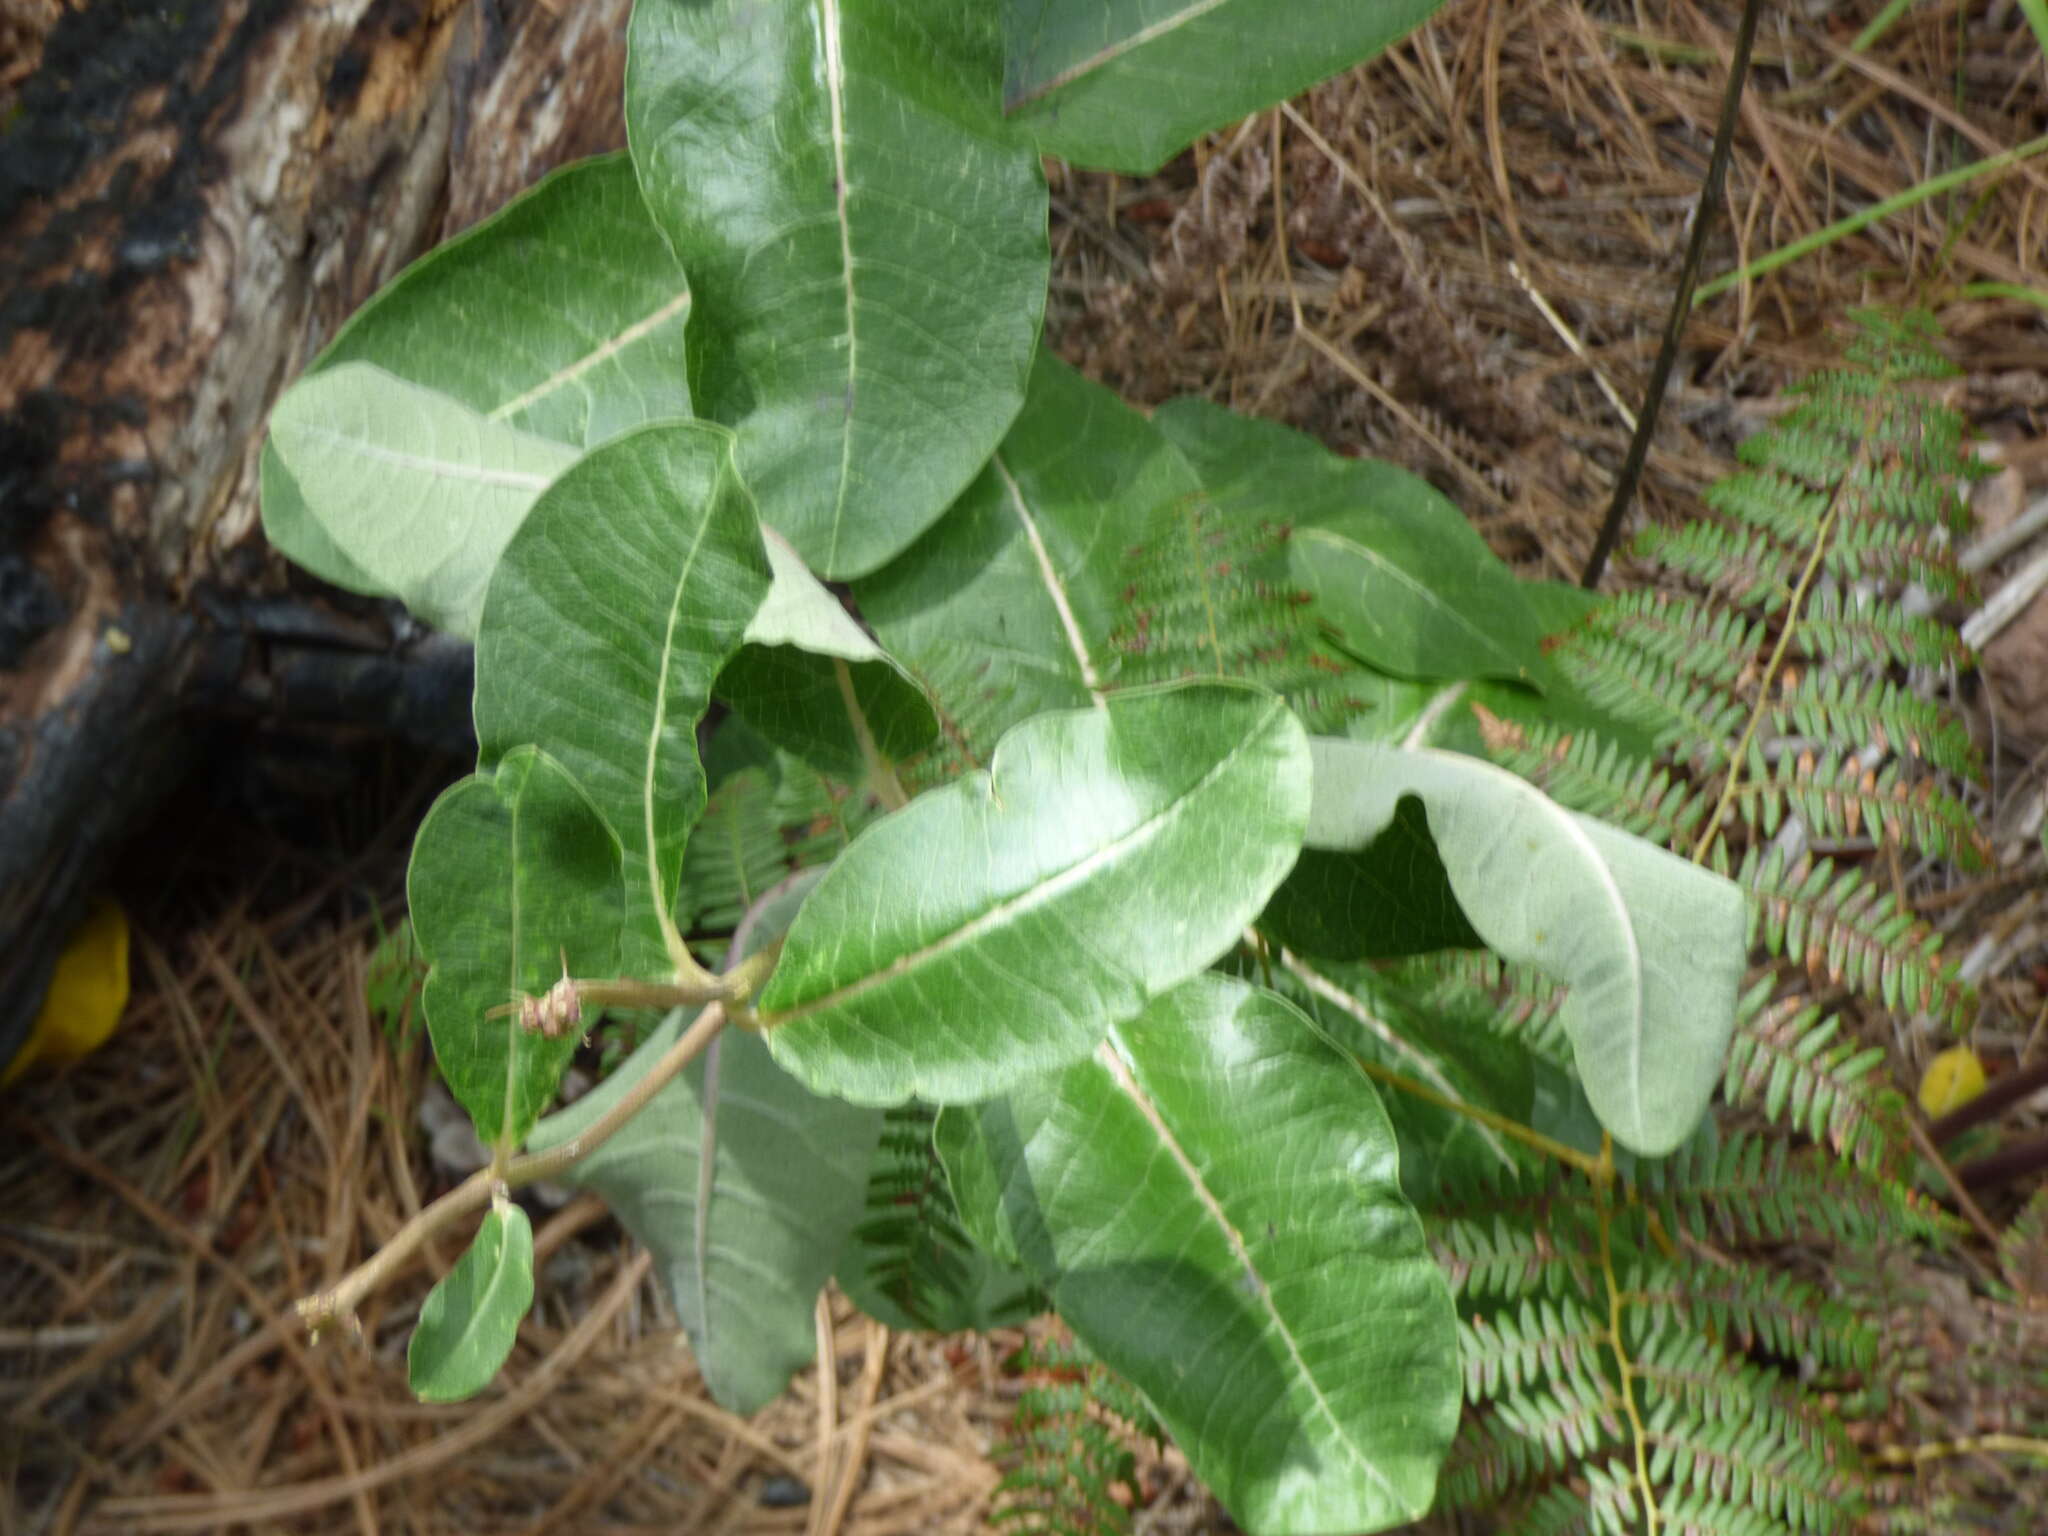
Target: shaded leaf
<point>1218,1172</point>
<point>744,1186</point>
<point>416,492</point>
<point>785,682</point>
<point>1652,947</point>
<point>1387,899</point>
<point>511,870</point>
<point>867,244</point>
<point>1399,578</point>
<point>623,595</point>
<point>1125,85</point>
<point>470,1321</point>
<point>992,929</point>
<point>1004,608</point>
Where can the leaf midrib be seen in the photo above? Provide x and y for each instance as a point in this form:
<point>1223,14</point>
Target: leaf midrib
<point>1115,1062</point>
<point>1034,895</point>
<point>609,348</point>
<point>1407,579</point>
<point>440,469</point>
<point>1102,58</point>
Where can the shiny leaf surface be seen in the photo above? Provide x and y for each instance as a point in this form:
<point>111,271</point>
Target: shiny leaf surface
<point>994,928</point>
<point>1213,1199</point>
<point>625,592</point>
<point>512,871</point>
<point>866,241</point>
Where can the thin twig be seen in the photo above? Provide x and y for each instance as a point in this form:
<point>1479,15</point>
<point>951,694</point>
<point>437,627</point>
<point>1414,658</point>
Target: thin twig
<point>1681,302</point>
<point>474,1193</point>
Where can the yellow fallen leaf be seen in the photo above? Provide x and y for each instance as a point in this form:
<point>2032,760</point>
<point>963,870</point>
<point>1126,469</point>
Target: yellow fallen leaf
<point>1951,1080</point>
<point>88,990</point>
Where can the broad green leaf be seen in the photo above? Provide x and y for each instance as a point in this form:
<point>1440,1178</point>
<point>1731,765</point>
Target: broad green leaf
<point>787,680</point>
<point>1399,578</point>
<point>743,1185</point>
<point>511,871</point>
<point>1387,899</point>
<point>866,240</point>
<point>1213,1199</point>
<point>470,1321</point>
<point>1653,948</point>
<point>1124,85</point>
<point>994,928</point>
<point>413,489</point>
<point>561,315</point>
<point>622,597</point>
<point>1005,608</point>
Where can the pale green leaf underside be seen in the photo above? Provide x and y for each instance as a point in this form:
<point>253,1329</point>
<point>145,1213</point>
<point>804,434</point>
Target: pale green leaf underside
<point>622,597</point>
<point>416,490</point>
<point>994,928</point>
<point>470,1321</point>
<point>561,315</point>
<point>1126,84</point>
<point>786,684</point>
<point>867,244</point>
<point>1005,608</point>
<point>512,871</point>
<point>1399,576</point>
<point>1652,947</point>
<point>1218,1172</point>
<point>743,1185</point>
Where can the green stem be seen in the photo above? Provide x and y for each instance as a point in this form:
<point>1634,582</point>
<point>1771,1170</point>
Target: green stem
<point>1842,228</point>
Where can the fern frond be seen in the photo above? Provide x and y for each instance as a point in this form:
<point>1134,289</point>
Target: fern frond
<point>1739,1465</point>
<point>918,1256</point>
<point>1699,717</point>
<point>1855,632</point>
<point>1208,597</point>
<point>1694,638</point>
<point>1499,1254</point>
<point>1838,798</point>
<point>1786,1058</point>
<point>1751,1190</point>
<point>1526,1437</point>
<point>1511,1001</point>
<point>1846,930</point>
<point>1069,1445</point>
<point>1510,1351</point>
<point>1582,772</point>
<point>1834,706</point>
<point>1747,1307</point>
<point>1753,570</point>
<point>735,854</point>
<point>1698,1370</point>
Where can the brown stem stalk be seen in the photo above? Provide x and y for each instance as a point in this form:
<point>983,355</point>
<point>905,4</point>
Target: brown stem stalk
<point>342,1298</point>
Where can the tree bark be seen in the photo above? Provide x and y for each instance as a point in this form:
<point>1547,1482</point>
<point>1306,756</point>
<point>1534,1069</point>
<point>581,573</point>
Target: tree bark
<point>191,199</point>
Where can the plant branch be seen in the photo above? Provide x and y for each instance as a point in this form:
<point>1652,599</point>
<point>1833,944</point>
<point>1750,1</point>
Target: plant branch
<point>1514,1130</point>
<point>881,772</point>
<point>1603,1194</point>
<point>342,1298</point>
<point>1767,679</point>
<point>1681,302</point>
